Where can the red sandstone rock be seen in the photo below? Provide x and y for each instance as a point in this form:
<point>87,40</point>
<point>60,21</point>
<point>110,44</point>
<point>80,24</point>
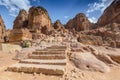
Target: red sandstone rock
<point>21,20</point>
<point>20,35</point>
<point>58,26</point>
<point>111,14</point>
<point>87,61</point>
<point>79,23</point>
<point>2,29</point>
<point>38,19</point>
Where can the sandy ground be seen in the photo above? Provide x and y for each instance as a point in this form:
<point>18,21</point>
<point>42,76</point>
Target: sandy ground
<point>76,74</point>
<point>6,60</point>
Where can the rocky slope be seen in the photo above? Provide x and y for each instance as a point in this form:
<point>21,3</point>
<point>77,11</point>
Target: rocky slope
<point>79,23</point>
<point>111,14</point>
<point>107,32</point>
<point>2,29</point>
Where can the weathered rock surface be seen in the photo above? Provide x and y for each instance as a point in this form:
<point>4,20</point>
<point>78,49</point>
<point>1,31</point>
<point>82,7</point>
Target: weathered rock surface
<point>19,35</point>
<point>107,35</point>
<point>79,23</point>
<point>21,20</point>
<point>58,26</point>
<point>2,29</point>
<point>111,14</point>
<point>87,61</point>
<point>93,58</point>
<point>90,39</point>
<point>39,19</point>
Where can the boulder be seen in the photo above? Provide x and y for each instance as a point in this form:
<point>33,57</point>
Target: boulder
<point>87,61</point>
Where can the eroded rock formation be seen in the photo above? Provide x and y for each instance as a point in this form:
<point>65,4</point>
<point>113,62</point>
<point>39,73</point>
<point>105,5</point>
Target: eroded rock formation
<point>58,25</point>
<point>2,29</point>
<point>19,35</point>
<point>21,20</point>
<point>39,19</point>
<point>87,61</point>
<point>111,14</point>
<point>79,23</point>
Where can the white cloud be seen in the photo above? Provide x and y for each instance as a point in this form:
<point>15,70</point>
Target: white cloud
<point>93,20</point>
<point>66,17</point>
<point>99,6</point>
<point>15,5</point>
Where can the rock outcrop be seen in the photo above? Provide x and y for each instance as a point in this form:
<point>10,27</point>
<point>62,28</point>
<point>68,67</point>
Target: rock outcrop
<point>87,61</point>
<point>20,35</point>
<point>79,23</point>
<point>35,22</point>
<point>38,19</point>
<point>107,35</point>
<point>58,25</point>
<point>21,20</point>
<point>90,39</point>
<point>2,29</point>
<point>111,14</point>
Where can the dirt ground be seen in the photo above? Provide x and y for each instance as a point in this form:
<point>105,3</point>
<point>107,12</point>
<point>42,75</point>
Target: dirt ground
<point>6,59</point>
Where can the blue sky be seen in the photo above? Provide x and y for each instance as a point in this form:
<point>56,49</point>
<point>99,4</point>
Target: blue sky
<point>57,9</point>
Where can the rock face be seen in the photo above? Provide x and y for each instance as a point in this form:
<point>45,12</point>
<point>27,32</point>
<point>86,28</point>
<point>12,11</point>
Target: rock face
<point>2,29</point>
<point>58,26</point>
<point>79,23</point>
<point>35,22</point>
<point>111,14</point>
<point>108,35</point>
<point>21,20</point>
<point>87,61</point>
<point>90,39</point>
<point>39,19</point>
<point>19,35</point>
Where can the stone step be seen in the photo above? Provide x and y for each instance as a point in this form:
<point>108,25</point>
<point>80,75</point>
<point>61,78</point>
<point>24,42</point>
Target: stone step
<point>48,56</point>
<point>60,47</point>
<point>37,61</point>
<point>46,49</point>
<point>48,52</point>
<point>37,68</point>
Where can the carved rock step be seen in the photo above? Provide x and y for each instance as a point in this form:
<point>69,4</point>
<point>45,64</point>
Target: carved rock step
<point>48,56</point>
<point>57,47</point>
<point>51,49</point>
<point>48,52</point>
<point>38,68</point>
<point>52,62</point>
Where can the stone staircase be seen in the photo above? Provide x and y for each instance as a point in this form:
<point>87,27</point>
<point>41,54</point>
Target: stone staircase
<point>51,60</point>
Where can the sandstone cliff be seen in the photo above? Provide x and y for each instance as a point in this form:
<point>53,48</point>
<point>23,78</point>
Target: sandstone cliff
<point>79,23</point>
<point>58,25</point>
<point>21,20</point>
<point>2,29</point>
<point>38,19</point>
<point>111,14</point>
